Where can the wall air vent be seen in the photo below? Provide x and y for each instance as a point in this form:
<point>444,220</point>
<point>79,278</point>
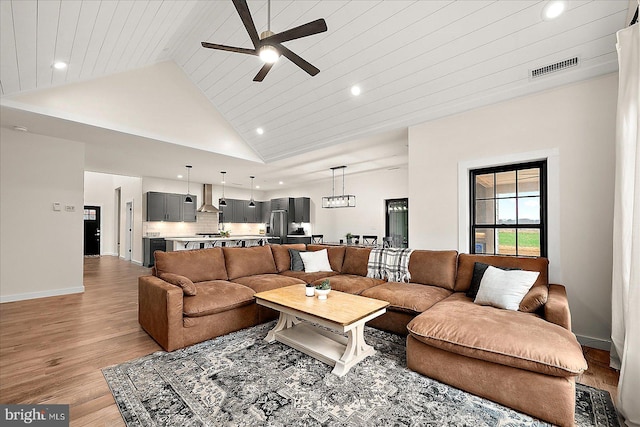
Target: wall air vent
<point>552,68</point>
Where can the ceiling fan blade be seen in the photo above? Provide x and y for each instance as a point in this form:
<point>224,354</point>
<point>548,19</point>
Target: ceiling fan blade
<point>308,29</point>
<point>263,72</point>
<point>297,60</point>
<point>229,48</point>
<point>247,20</point>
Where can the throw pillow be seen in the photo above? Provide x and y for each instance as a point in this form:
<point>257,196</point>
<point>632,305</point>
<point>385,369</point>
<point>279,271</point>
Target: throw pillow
<point>316,261</point>
<point>296,261</point>
<point>478,271</point>
<point>503,288</point>
<point>188,288</point>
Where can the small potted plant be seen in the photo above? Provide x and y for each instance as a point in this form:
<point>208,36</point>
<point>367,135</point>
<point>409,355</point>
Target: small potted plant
<point>349,237</point>
<point>323,289</point>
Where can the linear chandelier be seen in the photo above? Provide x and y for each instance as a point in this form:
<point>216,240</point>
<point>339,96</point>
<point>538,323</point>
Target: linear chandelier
<point>342,201</point>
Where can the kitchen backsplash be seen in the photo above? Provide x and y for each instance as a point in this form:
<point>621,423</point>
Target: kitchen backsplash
<point>205,223</point>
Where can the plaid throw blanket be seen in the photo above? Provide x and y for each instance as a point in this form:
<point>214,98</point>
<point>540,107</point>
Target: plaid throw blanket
<point>389,263</point>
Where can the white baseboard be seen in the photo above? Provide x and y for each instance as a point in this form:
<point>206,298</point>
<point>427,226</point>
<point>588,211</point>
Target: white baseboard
<point>41,294</point>
<point>136,262</point>
<point>592,342</point>
<point>110,253</point>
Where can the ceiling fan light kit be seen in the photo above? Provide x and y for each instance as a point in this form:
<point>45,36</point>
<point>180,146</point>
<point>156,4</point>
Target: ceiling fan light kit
<point>269,45</point>
<point>341,201</point>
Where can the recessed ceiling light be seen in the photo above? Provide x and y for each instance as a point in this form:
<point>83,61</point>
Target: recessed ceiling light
<point>260,131</point>
<point>179,176</point>
<point>20,128</point>
<point>281,183</point>
<point>59,65</point>
<point>553,9</point>
<point>355,90</point>
<point>257,186</point>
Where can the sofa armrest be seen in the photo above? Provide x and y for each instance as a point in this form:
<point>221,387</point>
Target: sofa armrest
<point>556,310</point>
<point>160,311</point>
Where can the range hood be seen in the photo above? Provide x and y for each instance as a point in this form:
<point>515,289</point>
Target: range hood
<point>207,206</point>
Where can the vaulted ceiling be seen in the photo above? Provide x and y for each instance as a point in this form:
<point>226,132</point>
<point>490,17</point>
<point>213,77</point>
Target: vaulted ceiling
<point>414,60</point>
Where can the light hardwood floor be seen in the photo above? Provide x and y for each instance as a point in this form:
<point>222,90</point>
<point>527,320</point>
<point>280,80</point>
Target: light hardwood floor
<point>52,349</point>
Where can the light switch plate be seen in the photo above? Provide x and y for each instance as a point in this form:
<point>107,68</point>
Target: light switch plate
<point>56,207</point>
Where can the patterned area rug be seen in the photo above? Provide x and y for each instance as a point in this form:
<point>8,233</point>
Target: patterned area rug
<point>240,380</point>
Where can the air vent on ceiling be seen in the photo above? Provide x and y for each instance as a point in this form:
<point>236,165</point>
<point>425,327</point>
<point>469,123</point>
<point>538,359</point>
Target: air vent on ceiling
<point>552,68</point>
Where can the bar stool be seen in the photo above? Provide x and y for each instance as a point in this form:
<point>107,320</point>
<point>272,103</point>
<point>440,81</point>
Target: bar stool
<point>369,240</point>
<point>317,238</point>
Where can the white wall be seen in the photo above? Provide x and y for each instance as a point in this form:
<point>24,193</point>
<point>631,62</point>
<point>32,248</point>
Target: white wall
<point>578,122</point>
<point>368,217</point>
<point>42,250</point>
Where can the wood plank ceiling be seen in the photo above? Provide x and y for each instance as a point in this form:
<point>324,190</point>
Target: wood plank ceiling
<point>414,60</point>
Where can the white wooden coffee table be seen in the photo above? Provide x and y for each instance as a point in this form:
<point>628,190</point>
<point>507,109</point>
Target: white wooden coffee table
<point>341,312</point>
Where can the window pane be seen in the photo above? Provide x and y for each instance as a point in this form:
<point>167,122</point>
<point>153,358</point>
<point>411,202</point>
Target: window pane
<point>485,211</point>
<point>507,241</point>
<point>529,210</point>
<point>529,182</point>
<point>484,186</point>
<point>506,211</point>
<point>484,241</point>
<point>506,184</point>
<point>529,242</point>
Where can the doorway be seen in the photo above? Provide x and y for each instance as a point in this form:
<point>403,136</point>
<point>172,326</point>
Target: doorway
<point>91,230</point>
<point>128,231</point>
<point>397,222</point>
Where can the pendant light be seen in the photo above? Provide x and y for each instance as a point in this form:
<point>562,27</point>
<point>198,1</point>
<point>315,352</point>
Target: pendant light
<point>222,201</point>
<point>252,204</point>
<point>343,201</point>
<point>188,199</point>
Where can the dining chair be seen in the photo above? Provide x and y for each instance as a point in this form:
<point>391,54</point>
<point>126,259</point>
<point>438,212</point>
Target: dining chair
<point>369,240</point>
<point>317,238</point>
<point>387,242</point>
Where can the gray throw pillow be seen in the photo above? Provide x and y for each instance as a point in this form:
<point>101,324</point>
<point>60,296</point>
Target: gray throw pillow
<point>296,260</point>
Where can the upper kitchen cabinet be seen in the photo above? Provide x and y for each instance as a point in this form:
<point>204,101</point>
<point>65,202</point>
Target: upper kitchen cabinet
<point>302,210</point>
<point>170,207</point>
<point>265,212</point>
<point>282,204</point>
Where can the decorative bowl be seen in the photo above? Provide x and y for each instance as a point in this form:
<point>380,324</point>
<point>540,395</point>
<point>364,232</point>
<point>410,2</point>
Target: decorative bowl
<point>322,293</point>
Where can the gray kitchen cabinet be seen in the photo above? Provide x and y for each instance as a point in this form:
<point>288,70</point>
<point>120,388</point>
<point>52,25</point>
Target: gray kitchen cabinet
<point>189,209</point>
<point>155,206</point>
<point>170,207</point>
<point>265,211</point>
<point>302,209</point>
<point>283,203</point>
<point>150,245</point>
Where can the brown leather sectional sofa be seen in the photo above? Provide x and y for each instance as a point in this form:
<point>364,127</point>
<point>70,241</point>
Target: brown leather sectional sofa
<point>526,359</point>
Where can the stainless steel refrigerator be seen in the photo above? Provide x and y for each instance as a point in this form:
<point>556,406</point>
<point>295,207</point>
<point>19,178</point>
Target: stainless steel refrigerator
<point>279,225</point>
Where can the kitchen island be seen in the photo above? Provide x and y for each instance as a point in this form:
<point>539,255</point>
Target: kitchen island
<point>199,242</point>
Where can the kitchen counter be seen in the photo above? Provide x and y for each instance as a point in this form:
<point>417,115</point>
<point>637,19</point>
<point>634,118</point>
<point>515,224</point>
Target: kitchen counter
<point>197,242</point>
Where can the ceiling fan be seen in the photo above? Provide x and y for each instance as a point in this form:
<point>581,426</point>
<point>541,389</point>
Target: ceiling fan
<point>269,45</point>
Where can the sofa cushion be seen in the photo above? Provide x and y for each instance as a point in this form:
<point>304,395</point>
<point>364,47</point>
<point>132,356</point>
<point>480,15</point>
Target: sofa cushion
<point>350,283</point>
<point>315,261</point>
<point>309,277</point>
<point>188,288</point>
<point>479,269</point>
<point>356,261</point>
<point>216,296</point>
<point>537,295</point>
<point>336,255</point>
<point>437,268</point>
<point>503,288</point>
<point>197,265</point>
<point>281,255</point>
<point>510,338</point>
<point>266,282</point>
<point>242,262</point>
<point>407,297</point>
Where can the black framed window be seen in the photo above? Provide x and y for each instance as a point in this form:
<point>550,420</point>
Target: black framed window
<point>509,209</point>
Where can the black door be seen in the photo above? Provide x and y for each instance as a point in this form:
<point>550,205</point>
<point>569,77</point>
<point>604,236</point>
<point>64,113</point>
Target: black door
<point>92,230</point>
<point>397,224</point>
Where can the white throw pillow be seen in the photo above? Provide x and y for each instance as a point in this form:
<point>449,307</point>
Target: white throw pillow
<point>505,288</point>
<point>316,261</point>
